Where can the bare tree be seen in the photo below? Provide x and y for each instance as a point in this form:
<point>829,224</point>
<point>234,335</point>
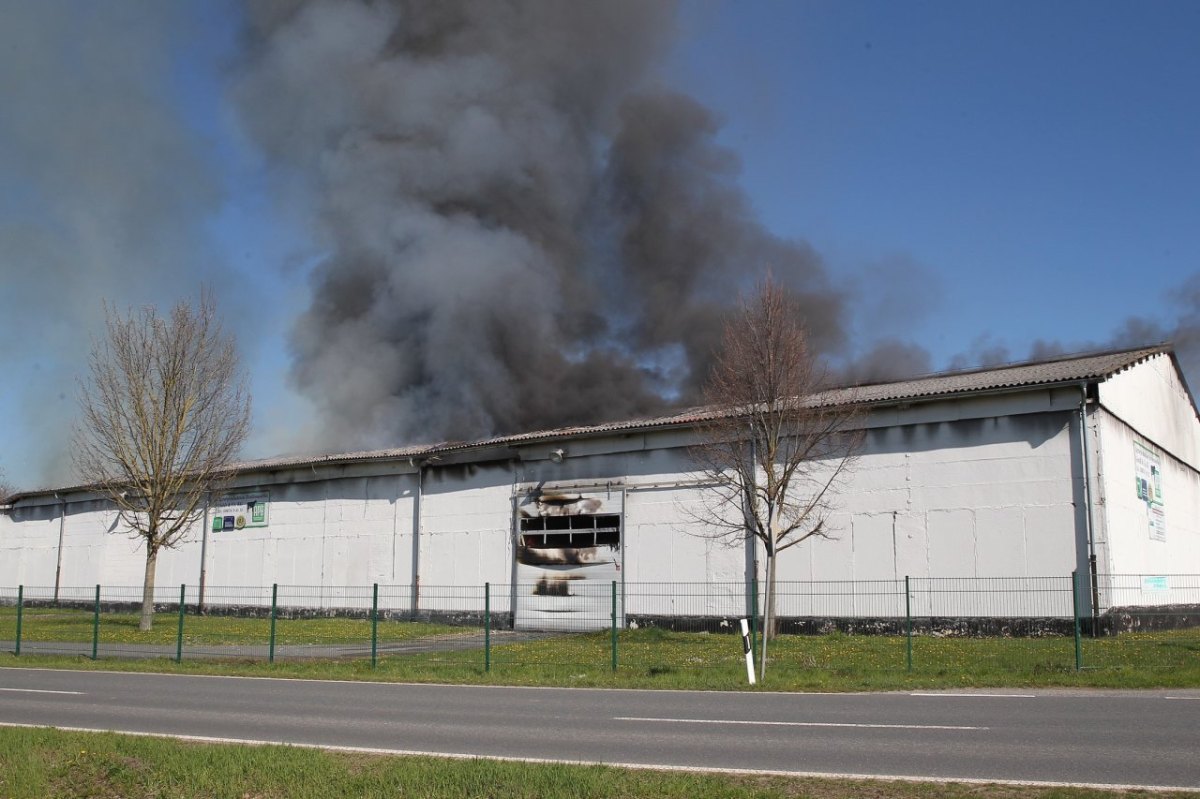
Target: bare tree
<point>164,411</point>
<point>6,489</point>
<point>776,443</point>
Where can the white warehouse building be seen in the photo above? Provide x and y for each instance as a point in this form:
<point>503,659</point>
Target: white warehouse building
<point>1086,463</point>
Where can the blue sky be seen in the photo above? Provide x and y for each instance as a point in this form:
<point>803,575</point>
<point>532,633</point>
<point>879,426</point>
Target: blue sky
<point>1039,162</point>
<point>974,174</point>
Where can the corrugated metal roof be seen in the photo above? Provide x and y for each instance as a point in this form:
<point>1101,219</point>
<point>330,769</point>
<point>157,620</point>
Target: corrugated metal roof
<point>1047,372</point>
<point>1064,369</point>
<point>396,453</point>
<point>1051,371</point>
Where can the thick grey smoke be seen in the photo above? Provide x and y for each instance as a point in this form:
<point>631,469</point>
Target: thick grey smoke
<point>519,225</point>
<point>522,228</point>
<point>1179,325</point>
<point>103,184</point>
<point>985,350</point>
<point>890,359</point>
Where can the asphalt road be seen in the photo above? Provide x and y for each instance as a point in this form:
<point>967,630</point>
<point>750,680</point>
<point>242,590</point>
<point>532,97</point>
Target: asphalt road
<point>1122,738</point>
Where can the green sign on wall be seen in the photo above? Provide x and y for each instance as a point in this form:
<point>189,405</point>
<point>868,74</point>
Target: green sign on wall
<point>238,511</point>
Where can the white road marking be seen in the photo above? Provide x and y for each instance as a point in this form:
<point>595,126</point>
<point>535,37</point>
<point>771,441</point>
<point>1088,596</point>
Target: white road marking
<point>981,696</point>
<point>828,775</point>
<point>802,723</point>
<point>40,691</point>
<point>1185,698</point>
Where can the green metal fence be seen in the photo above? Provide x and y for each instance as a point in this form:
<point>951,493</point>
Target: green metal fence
<point>917,625</point>
<point>1142,621</point>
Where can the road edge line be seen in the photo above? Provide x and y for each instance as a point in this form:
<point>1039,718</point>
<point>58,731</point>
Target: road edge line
<point>1103,786</point>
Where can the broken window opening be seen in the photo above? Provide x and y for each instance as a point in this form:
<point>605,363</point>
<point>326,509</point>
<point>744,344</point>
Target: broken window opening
<point>571,532</point>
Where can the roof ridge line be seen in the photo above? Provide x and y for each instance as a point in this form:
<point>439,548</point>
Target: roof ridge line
<point>1079,355</point>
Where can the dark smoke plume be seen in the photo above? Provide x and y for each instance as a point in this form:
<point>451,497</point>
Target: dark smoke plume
<point>522,229</point>
<point>985,350</point>
<point>888,360</point>
<point>1179,326</point>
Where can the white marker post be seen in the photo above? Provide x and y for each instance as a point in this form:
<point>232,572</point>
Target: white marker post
<point>747,650</point>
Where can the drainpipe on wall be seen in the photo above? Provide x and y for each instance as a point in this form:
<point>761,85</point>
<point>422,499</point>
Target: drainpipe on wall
<point>1087,496</point>
<point>62,523</point>
<point>416,547</point>
<point>519,478</point>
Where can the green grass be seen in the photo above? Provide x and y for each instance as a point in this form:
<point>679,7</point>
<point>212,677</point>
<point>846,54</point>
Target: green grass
<point>66,624</point>
<point>651,658</point>
<point>46,764</point>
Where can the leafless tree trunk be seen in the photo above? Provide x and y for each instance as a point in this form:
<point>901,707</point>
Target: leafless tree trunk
<point>148,589</point>
<point>775,441</point>
<point>6,490</point>
<point>163,414</point>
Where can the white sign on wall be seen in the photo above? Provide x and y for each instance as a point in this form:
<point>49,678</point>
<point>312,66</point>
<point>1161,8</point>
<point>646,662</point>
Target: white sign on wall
<point>237,511</point>
<point>1147,470</point>
<point>1156,583</point>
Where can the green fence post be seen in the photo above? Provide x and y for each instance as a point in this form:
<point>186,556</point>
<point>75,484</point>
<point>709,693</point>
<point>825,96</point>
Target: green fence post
<point>487,626</point>
<point>754,617</point>
<point>274,606</point>
<point>20,610</point>
<point>907,623</point>
<point>96,625</point>
<point>179,634</point>
<point>614,625</point>
<point>374,624</point>
<point>1075,613</point>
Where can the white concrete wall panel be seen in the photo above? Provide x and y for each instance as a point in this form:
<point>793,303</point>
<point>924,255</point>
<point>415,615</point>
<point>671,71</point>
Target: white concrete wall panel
<point>874,546</point>
<point>1000,549</point>
<point>122,560</point>
<point>387,524</point>
<point>358,531</point>
<point>1152,399</point>
<point>1047,551</point>
<point>1146,406</point>
<point>1130,546</point>
<point>912,545</point>
<point>288,551</point>
<point>29,546</point>
<point>671,567</point>
<point>86,546</point>
<point>965,496</point>
<point>951,542</point>
<point>832,558</point>
<point>662,542</point>
<point>466,535</point>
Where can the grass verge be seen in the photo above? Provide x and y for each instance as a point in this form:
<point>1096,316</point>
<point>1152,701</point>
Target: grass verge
<point>45,764</point>
<point>72,624</point>
<point>658,659</point>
